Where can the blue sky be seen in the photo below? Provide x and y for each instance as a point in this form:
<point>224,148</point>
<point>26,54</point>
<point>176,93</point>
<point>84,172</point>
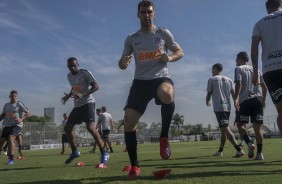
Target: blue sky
<point>38,36</point>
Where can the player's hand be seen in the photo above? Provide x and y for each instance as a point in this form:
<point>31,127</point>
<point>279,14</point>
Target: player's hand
<point>209,103</point>
<point>163,56</point>
<point>125,60</point>
<point>65,98</point>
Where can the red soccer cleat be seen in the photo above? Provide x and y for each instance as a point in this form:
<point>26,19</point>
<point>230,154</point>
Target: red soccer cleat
<point>101,166</point>
<point>127,168</point>
<point>134,173</point>
<point>164,148</point>
<point>161,173</point>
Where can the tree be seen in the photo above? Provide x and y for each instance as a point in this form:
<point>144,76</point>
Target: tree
<point>177,120</point>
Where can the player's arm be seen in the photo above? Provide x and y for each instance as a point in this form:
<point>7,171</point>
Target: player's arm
<point>254,56</point>
<point>94,87</point>
<point>26,114</point>
<point>126,55</point>
<point>208,99</point>
<point>2,116</point>
<point>112,125</point>
<point>238,86</point>
<point>124,61</point>
<point>264,92</point>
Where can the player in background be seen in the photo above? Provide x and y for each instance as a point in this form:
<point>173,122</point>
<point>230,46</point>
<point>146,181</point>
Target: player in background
<point>220,89</point>
<point>249,102</point>
<point>13,115</point>
<point>83,84</point>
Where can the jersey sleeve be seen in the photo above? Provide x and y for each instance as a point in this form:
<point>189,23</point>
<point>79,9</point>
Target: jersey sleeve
<point>89,77</point>
<point>256,30</point>
<point>209,86</point>
<point>127,50</point>
<point>237,77</point>
<point>170,42</point>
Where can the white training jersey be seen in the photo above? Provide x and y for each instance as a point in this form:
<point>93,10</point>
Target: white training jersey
<point>146,48</point>
<point>80,83</point>
<point>220,87</point>
<point>269,29</point>
<point>244,74</point>
<point>106,119</point>
<point>13,111</point>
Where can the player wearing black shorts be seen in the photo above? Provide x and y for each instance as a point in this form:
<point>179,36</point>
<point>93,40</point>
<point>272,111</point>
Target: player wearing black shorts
<point>83,84</point>
<point>220,88</point>
<point>268,31</point>
<point>149,46</point>
<point>249,102</point>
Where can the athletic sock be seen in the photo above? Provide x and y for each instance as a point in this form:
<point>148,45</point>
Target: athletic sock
<point>247,139</point>
<point>131,145</point>
<point>11,157</point>
<point>237,147</point>
<point>167,111</point>
<point>220,149</point>
<point>102,150</point>
<point>73,149</point>
<point>259,149</point>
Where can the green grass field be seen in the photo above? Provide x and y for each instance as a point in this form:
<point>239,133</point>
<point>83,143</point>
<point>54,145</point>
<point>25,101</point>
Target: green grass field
<point>191,162</point>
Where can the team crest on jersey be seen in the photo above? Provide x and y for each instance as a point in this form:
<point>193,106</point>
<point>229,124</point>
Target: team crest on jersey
<point>157,40</point>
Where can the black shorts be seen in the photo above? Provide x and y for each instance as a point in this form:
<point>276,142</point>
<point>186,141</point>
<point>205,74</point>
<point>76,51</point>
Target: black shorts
<point>105,134</point>
<point>143,91</point>
<point>222,118</point>
<point>251,108</point>
<point>64,138</point>
<point>273,81</point>
<point>85,113</point>
<point>13,130</point>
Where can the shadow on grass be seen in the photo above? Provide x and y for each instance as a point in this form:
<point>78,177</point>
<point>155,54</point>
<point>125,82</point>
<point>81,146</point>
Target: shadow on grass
<point>172,176</point>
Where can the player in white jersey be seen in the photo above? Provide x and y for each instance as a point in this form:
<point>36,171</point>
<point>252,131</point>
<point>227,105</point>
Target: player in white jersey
<point>249,101</point>
<point>268,31</point>
<point>83,84</point>
<point>13,118</point>
<point>106,122</point>
<point>64,135</point>
<point>149,45</point>
<point>220,88</point>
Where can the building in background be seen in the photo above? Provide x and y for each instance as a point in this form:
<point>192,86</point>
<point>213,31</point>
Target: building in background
<point>50,112</point>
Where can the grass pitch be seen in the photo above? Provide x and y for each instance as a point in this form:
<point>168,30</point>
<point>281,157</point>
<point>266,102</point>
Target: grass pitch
<point>191,162</point>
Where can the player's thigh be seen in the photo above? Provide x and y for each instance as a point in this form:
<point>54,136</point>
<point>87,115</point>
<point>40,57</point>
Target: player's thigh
<point>165,93</point>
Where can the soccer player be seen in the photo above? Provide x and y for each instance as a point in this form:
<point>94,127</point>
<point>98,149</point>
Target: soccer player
<point>83,84</point>
<point>220,88</point>
<point>106,122</point>
<point>149,46</point>
<point>249,101</point>
<point>13,118</point>
<point>268,31</point>
<point>64,135</point>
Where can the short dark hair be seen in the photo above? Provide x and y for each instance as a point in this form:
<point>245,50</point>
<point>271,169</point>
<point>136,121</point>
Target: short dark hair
<point>273,4</point>
<point>243,56</point>
<point>13,92</point>
<point>218,66</point>
<point>104,108</point>
<point>98,109</point>
<point>72,59</point>
<point>145,3</point>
